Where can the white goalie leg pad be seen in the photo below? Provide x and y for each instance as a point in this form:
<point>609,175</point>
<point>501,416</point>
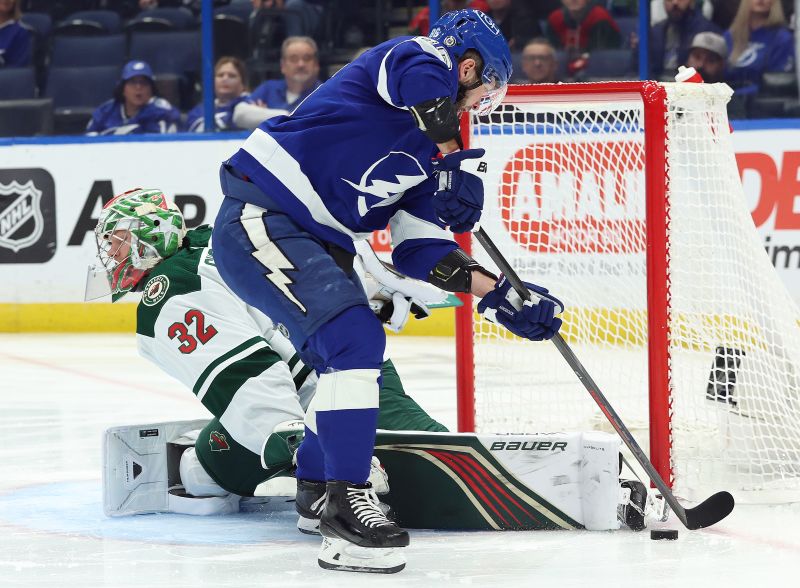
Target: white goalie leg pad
<point>341,555</point>
<point>195,479</point>
<point>140,463</point>
<point>203,505</point>
<point>600,481</point>
<point>577,473</point>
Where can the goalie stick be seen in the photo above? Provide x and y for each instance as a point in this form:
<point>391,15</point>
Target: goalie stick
<point>707,513</point>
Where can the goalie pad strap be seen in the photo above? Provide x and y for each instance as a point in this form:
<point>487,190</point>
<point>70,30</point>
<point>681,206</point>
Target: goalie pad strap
<point>438,119</point>
<point>454,272</point>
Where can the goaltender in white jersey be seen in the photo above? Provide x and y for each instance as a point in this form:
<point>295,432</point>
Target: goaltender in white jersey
<point>234,359</point>
<point>245,371</point>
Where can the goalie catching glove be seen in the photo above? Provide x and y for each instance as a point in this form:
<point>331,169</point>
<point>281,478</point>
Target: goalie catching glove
<point>532,319</point>
<point>393,297</point>
<point>458,201</point>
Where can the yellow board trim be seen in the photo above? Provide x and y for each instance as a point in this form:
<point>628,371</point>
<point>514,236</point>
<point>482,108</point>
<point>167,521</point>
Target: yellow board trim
<point>121,318</point>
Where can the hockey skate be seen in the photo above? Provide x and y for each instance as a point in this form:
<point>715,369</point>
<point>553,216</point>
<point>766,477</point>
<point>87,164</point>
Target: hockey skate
<point>357,536</point>
<point>309,502</point>
<point>310,498</point>
<point>638,506</point>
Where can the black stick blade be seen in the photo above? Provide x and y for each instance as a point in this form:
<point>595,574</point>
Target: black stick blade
<point>709,512</point>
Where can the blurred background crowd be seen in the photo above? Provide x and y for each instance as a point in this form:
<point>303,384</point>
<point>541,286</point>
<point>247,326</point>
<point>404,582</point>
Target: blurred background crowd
<point>103,67</point>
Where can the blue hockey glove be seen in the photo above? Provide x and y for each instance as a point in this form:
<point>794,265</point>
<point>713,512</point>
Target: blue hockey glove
<point>534,319</point>
<point>459,200</point>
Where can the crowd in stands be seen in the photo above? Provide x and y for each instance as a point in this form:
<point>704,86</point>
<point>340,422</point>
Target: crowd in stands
<point>133,66</point>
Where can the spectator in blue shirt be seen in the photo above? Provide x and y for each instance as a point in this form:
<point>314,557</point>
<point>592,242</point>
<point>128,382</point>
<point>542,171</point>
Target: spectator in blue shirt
<point>671,38</point>
<point>15,40</point>
<point>300,69</point>
<point>134,109</point>
<point>760,42</point>
<point>230,89</point>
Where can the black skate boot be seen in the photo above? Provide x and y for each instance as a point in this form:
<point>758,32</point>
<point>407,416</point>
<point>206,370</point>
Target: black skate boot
<point>358,536</point>
<point>309,502</point>
<point>632,514</point>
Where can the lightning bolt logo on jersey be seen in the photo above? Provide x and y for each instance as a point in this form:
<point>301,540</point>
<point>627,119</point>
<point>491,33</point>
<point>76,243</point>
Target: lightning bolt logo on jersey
<point>269,254</point>
<point>384,183</point>
<point>370,165</point>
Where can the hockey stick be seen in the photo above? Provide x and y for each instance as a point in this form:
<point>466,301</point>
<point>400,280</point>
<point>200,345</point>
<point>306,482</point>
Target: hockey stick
<point>705,514</point>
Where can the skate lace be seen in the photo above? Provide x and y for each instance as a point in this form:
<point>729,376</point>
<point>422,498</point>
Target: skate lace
<point>365,505</point>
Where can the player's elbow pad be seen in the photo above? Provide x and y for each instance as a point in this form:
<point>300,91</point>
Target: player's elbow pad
<point>438,119</point>
<point>454,272</point>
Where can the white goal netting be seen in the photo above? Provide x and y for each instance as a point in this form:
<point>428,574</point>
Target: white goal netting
<point>565,202</point>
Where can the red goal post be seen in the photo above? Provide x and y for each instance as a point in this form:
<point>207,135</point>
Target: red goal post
<point>624,199</point>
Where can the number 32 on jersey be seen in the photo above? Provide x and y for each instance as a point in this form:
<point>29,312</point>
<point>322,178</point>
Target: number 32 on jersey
<point>194,320</point>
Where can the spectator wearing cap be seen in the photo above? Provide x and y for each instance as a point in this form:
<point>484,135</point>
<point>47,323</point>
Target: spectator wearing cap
<point>134,109</point>
<point>580,26</point>
<point>421,23</point>
<point>670,39</point>
<point>759,42</point>
<point>708,53</point>
<point>230,89</point>
<point>15,39</point>
<point>300,69</point>
<point>539,62</point>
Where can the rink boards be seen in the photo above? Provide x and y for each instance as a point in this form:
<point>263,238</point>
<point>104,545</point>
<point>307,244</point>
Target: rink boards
<point>52,189</point>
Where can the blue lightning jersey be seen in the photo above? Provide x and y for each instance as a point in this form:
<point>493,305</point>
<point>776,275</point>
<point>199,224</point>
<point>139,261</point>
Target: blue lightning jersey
<point>223,116</point>
<point>157,116</point>
<point>15,45</point>
<point>351,159</point>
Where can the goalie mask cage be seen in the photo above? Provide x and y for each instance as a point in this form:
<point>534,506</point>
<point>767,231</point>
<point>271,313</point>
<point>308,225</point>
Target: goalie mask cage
<point>624,199</point>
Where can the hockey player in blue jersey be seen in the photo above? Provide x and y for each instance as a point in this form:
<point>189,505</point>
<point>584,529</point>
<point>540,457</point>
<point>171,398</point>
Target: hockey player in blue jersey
<point>134,109</point>
<point>358,153</point>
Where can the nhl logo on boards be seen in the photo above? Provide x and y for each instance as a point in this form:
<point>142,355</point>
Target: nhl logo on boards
<point>21,203</point>
<point>27,216</point>
<point>155,290</point>
<point>218,441</point>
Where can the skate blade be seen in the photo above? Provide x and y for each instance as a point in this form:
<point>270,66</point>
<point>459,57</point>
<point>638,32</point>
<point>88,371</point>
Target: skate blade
<point>308,526</point>
<point>343,556</point>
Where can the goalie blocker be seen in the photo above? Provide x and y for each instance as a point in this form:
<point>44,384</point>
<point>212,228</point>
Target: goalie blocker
<point>437,480</point>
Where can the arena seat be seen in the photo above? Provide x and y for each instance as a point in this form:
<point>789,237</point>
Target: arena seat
<point>26,118</point>
<point>17,83</point>
<point>88,51</point>
<point>90,22</point>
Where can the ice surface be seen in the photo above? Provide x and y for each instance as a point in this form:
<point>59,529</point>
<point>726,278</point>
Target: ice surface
<point>59,392</point>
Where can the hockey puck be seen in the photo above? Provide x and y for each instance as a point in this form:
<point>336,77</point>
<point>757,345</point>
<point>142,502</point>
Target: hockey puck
<point>670,534</point>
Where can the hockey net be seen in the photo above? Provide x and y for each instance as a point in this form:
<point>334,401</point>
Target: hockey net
<point>624,199</point>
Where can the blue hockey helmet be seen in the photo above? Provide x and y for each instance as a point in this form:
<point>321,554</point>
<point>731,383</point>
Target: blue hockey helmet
<point>462,30</point>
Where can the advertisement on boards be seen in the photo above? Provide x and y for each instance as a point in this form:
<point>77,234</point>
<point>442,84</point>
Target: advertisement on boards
<point>51,196</point>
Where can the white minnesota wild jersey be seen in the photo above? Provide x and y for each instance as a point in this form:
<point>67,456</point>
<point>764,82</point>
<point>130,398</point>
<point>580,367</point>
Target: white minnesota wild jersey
<point>232,356</point>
